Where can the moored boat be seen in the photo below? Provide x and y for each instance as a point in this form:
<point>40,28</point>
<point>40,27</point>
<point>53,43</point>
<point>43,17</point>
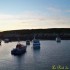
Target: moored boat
<point>19,50</point>
<point>0,42</point>
<point>27,42</point>
<point>58,39</point>
<point>36,44</point>
<point>6,40</point>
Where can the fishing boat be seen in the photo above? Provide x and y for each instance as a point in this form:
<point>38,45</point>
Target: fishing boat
<point>58,39</point>
<point>36,44</point>
<point>0,42</point>
<point>19,50</point>
<point>27,42</point>
<point>6,40</point>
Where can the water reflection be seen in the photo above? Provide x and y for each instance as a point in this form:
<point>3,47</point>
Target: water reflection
<point>19,60</point>
<point>36,55</point>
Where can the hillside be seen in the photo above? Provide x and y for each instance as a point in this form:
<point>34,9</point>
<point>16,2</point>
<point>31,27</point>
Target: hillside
<point>50,33</point>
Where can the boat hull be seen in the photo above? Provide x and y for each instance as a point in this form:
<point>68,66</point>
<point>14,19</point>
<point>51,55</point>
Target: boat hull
<point>36,46</point>
<point>17,51</point>
<point>27,42</point>
<point>58,40</point>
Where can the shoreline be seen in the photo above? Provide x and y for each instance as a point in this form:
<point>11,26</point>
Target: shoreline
<point>42,34</point>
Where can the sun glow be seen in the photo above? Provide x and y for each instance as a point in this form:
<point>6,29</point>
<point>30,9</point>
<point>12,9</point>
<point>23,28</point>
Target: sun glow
<point>32,20</point>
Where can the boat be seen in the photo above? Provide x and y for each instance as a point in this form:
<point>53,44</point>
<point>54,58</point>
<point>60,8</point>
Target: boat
<point>19,50</point>
<point>36,44</point>
<point>27,42</point>
<point>58,39</point>
<point>6,40</point>
<point>0,42</point>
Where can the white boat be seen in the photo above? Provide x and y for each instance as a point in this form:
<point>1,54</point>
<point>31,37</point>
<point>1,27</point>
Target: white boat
<point>36,44</point>
<point>58,39</point>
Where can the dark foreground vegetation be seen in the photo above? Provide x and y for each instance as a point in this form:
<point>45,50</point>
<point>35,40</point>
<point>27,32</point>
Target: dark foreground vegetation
<point>43,34</point>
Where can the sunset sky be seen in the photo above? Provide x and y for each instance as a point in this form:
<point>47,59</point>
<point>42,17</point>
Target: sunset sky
<point>31,14</point>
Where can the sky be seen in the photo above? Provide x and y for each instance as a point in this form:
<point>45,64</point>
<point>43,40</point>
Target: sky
<point>34,14</point>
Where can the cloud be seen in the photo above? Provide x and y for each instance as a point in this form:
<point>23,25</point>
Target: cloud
<point>31,20</point>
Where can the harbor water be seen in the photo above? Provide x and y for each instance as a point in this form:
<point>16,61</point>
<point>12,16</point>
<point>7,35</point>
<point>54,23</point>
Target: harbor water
<point>51,53</point>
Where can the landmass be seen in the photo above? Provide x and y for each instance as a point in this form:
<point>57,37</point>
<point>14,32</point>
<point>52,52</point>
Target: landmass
<point>42,34</point>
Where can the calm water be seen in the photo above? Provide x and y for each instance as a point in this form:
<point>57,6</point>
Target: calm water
<point>50,53</point>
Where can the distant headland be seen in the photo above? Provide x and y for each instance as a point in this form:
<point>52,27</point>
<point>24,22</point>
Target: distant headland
<point>42,34</point>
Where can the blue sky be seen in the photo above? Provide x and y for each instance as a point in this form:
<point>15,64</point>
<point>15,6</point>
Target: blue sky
<point>28,14</point>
